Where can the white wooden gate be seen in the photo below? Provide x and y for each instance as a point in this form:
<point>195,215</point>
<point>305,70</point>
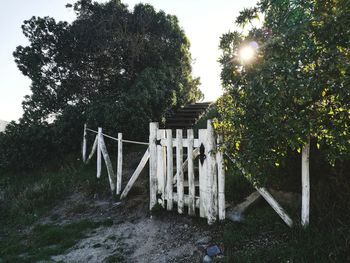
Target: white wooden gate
<point>174,178</point>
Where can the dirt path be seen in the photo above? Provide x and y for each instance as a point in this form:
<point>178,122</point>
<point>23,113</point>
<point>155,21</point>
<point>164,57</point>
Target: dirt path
<point>135,236</point>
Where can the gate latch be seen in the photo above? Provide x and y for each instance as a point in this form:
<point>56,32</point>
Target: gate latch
<point>202,155</point>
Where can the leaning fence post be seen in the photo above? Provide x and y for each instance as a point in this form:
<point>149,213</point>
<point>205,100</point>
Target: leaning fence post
<point>119,163</point>
<point>84,144</point>
<point>153,127</point>
<point>305,181</point>
<point>98,175</point>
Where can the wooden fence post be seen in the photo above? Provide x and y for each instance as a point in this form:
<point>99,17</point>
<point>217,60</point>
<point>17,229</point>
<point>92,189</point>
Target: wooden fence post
<point>221,180</point>
<point>191,186</point>
<point>161,174</point>
<point>179,171</point>
<point>119,163</point>
<point>153,127</point>
<point>99,134</point>
<point>211,174</point>
<point>84,145</point>
<point>169,174</point>
<point>305,181</point>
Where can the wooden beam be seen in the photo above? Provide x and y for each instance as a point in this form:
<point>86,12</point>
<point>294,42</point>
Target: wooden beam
<point>179,171</point>
<point>99,167</point>
<point>221,180</point>
<point>93,150</point>
<point>153,127</point>
<point>111,175</point>
<point>119,163</point>
<point>305,182</point>
<point>191,185</point>
<point>136,174</point>
<point>84,145</point>
<point>169,173</point>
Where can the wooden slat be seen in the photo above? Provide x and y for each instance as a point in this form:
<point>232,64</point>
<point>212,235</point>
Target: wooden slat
<point>93,150</point>
<point>184,142</point>
<point>179,171</point>
<point>202,133</point>
<point>169,181</point>
<point>305,182</point>
<point>191,185</point>
<point>84,145</point>
<point>99,167</point>
<point>153,164</point>
<point>211,174</point>
<point>221,180</point>
<point>110,172</point>
<point>136,174</point>
<point>119,163</point>
<point>195,154</point>
<point>186,200</point>
<point>161,175</point>
<point>274,204</point>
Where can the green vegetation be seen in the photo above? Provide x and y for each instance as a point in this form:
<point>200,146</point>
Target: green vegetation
<point>111,67</point>
<point>263,237</point>
<point>44,241</point>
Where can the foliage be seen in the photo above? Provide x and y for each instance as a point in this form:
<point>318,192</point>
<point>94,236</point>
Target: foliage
<point>119,67</point>
<point>110,67</point>
<point>296,86</point>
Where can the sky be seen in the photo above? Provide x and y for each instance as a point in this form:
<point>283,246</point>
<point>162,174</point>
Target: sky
<point>204,21</point>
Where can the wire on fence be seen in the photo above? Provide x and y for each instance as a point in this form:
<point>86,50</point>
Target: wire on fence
<point>116,139</point>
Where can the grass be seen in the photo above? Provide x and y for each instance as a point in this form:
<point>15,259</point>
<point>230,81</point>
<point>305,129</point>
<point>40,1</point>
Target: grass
<point>44,241</point>
<point>263,237</point>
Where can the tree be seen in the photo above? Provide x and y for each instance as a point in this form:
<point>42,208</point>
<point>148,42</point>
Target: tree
<point>296,86</point>
<point>122,69</point>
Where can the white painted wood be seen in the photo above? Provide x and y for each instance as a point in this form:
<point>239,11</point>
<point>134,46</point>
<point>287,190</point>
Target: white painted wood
<point>211,174</point>
<point>221,180</point>
<point>275,205</point>
<point>136,174</point>
<point>305,181</point>
<point>179,171</point>
<point>184,142</point>
<point>93,150</point>
<point>195,154</point>
<point>191,185</point>
<point>99,167</point>
<point>169,175</point>
<point>110,172</point>
<point>153,127</point>
<point>186,199</point>
<point>161,172</point>
<point>119,163</point>
<point>202,133</point>
<point>84,144</point>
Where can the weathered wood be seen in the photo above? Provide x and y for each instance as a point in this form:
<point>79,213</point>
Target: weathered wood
<point>195,154</point>
<point>186,200</point>
<point>211,174</point>
<point>191,185</point>
<point>84,145</point>
<point>184,142</point>
<point>221,180</point>
<point>119,163</point>
<point>99,167</point>
<point>161,174</point>
<point>274,204</point>
<point>153,127</point>
<point>179,171</point>
<point>93,150</point>
<point>136,174</point>
<point>110,172</point>
<point>169,175</point>
<point>305,181</point>
<point>202,133</point>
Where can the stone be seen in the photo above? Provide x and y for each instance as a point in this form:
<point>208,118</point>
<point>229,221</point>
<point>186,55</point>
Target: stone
<point>207,259</point>
<point>203,241</point>
<point>213,251</point>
